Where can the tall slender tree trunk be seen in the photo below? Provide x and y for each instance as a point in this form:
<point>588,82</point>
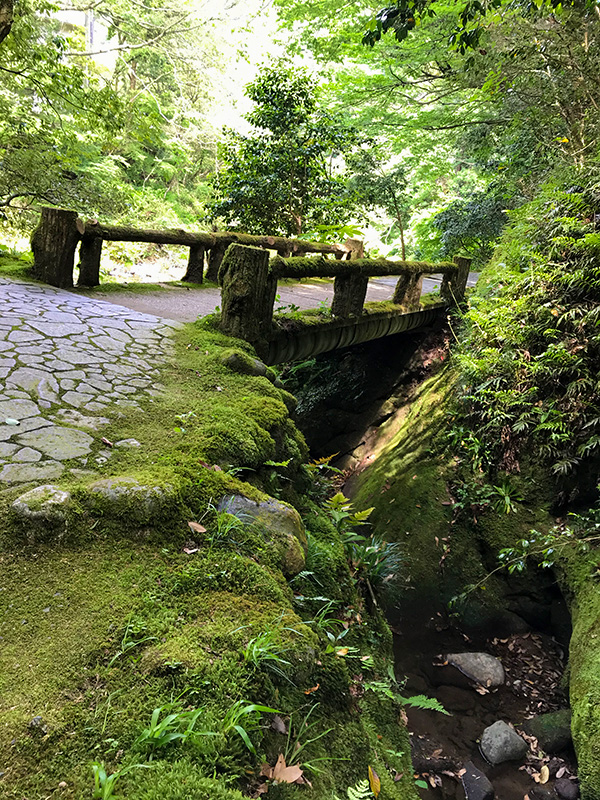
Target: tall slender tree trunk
<point>6,18</point>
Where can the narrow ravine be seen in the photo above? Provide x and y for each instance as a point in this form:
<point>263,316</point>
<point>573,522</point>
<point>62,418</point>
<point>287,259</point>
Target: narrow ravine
<point>529,643</point>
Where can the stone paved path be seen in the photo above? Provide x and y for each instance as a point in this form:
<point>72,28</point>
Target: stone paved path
<point>66,363</point>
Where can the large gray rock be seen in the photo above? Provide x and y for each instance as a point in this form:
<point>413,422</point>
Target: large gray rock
<point>43,512</point>
<point>553,730</point>
<point>481,668</point>
<point>125,498</point>
<point>566,789</point>
<point>500,742</point>
<point>243,363</point>
<point>280,524</point>
<point>476,784</point>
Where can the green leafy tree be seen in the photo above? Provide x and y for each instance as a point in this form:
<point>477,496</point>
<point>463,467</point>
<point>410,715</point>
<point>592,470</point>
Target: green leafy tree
<point>380,184</point>
<point>288,175</point>
<point>54,117</point>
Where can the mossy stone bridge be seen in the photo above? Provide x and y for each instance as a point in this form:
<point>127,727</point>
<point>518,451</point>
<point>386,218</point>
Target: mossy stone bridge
<point>248,276</point>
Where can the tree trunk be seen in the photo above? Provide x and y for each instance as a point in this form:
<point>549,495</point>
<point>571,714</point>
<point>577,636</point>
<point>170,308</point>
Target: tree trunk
<point>90,252</point>
<point>215,257</point>
<point>53,243</point>
<point>6,18</point>
<point>195,267</point>
<point>349,291</point>
<point>248,294</point>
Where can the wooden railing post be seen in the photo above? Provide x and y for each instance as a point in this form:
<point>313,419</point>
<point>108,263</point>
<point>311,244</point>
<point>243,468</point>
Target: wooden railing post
<point>454,283</point>
<point>408,290</point>
<point>349,291</point>
<point>247,295</point>
<point>53,243</point>
<point>464,267</point>
<point>215,258</point>
<point>90,253</point>
<point>195,267</point>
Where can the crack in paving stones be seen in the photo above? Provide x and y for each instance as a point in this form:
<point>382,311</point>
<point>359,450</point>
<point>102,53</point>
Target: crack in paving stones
<point>65,361</point>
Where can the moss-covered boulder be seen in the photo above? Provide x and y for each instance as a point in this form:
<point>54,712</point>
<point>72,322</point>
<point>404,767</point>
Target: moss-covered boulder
<point>126,498</point>
<point>42,513</point>
<point>279,523</point>
<point>553,730</point>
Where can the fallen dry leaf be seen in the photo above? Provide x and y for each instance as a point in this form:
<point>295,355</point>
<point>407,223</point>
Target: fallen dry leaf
<point>374,781</point>
<point>107,442</point>
<point>278,724</point>
<point>544,774</point>
<point>195,526</point>
<point>284,774</point>
<point>312,689</point>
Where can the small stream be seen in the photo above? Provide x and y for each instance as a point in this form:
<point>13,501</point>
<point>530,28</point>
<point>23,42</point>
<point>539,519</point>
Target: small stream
<point>534,664</point>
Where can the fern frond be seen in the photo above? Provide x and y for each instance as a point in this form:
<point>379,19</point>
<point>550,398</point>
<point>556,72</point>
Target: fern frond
<point>429,703</point>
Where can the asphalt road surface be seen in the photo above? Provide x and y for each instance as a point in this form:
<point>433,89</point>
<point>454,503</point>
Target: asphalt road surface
<point>186,305</point>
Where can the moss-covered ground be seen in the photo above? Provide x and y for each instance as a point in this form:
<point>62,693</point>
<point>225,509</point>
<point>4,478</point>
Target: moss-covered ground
<point>133,611</point>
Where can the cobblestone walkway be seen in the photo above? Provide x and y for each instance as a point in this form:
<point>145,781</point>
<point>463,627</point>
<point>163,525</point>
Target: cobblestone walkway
<point>67,362</point>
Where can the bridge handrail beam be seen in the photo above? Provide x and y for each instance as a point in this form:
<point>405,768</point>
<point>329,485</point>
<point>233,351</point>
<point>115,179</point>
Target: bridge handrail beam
<point>319,267</point>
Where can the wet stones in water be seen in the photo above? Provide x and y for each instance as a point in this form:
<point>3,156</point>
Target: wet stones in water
<point>500,742</point>
<point>566,789</point>
<point>481,668</point>
<point>476,784</point>
<point>553,730</point>
<point>427,755</point>
<point>455,699</point>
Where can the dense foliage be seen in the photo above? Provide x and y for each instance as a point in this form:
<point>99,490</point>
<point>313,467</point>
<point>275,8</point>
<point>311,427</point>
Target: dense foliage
<point>530,359</point>
<point>110,138</point>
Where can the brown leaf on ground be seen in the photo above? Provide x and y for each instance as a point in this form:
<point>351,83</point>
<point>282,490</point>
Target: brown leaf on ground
<point>284,774</point>
<point>196,527</point>
<point>312,689</point>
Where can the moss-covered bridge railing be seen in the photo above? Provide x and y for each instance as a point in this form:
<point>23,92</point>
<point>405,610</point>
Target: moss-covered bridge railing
<point>54,243</point>
<point>248,279</point>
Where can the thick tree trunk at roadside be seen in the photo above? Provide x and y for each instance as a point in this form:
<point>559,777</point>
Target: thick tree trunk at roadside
<point>90,253</point>
<point>53,243</point>
<point>215,259</point>
<point>195,267</point>
<point>248,294</point>
<point>6,18</point>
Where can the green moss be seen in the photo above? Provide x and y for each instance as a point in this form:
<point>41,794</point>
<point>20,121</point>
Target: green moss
<point>118,620</point>
<point>584,670</point>
<point>139,287</point>
<point>16,265</point>
<point>177,781</point>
